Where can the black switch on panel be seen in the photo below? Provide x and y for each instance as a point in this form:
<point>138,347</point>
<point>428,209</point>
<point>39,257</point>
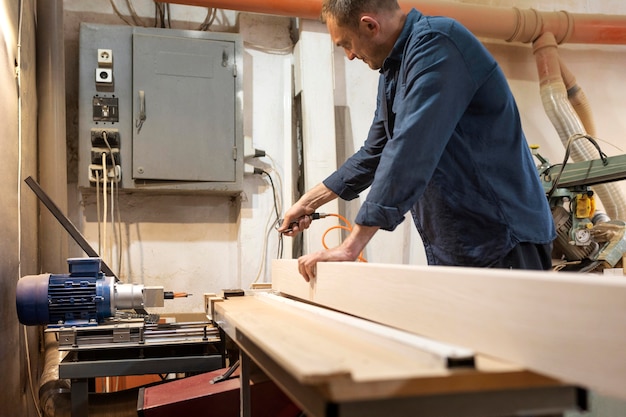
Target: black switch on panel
<point>105,109</point>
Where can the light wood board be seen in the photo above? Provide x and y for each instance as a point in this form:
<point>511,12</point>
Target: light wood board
<point>347,365</point>
<point>568,326</point>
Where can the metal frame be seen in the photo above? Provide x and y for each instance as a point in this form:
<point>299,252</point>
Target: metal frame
<point>80,366</point>
<point>536,401</point>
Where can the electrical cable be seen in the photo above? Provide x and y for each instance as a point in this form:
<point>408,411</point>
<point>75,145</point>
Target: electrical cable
<point>119,224</point>
<point>268,229</point>
<point>274,51</point>
<point>160,11</point>
<point>274,192</point>
<point>347,227</point>
<point>98,210</point>
<point>118,13</point>
<point>277,212</point>
<point>278,201</point>
<point>279,180</point>
<point>106,174</point>
<point>115,205</point>
<point>571,139</point>
<point>105,204</point>
<point>133,13</point>
<point>18,76</point>
<point>209,19</point>
<point>272,218</point>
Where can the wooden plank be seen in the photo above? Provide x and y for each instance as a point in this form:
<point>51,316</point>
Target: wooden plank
<point>568,326</point>
<point>448,356</point>
<point>345,364</point>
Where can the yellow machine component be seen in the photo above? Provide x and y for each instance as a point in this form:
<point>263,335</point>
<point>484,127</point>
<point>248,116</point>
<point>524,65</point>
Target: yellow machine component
<point>585,205</point>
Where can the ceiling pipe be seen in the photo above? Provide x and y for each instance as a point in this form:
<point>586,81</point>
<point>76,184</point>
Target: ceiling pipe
<point>508,24</point>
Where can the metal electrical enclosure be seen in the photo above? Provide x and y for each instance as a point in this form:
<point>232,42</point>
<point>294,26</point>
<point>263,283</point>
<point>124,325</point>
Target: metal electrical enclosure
<point>160,109</point>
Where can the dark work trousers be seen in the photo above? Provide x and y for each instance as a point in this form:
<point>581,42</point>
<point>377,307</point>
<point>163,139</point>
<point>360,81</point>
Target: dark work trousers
<point>527,256</point>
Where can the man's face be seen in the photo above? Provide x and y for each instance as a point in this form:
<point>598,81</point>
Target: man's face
<point>358,43</point>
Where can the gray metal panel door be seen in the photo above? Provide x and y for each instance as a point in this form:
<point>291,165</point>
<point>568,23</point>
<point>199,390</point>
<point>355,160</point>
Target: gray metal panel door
<point>183,108</point>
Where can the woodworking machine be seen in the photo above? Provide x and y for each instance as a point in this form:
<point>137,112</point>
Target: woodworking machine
<point>102,326</point>
<point>84,297</point>
<point>586,239</point>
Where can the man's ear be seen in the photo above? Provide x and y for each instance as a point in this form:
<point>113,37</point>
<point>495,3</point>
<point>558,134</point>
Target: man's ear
<point>369,24</point>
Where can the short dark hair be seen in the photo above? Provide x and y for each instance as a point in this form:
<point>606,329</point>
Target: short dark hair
<point>348,12</point>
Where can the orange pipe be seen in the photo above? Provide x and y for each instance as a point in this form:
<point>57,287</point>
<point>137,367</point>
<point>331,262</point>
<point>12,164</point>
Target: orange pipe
<point>547,60</point>
<point>578,99</point>
<point>307,9</point>
<point>509,24</point>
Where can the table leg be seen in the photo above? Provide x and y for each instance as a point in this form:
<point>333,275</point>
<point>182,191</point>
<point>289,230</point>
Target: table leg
<point>80,397</point>
<point>245,406</point>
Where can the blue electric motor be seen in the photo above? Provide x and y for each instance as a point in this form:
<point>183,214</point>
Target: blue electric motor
<point>84,297</point>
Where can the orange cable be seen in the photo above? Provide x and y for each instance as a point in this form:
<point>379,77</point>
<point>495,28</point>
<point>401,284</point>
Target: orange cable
<point>347,227</point>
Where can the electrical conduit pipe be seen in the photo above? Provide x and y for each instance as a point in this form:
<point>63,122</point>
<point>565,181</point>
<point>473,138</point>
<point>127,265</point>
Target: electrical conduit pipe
<point>508,24</point>
<point>565,119</point>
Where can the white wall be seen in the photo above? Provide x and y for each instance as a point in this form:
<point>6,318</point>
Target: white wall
<point>197,243</point>
<point>205,244</point>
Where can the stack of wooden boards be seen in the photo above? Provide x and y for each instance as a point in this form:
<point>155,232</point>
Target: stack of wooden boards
<point>533,334</point>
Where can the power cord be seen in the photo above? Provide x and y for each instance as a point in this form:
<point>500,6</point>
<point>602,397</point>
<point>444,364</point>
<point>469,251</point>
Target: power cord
<point>347,227</point>
<point>570,141</point>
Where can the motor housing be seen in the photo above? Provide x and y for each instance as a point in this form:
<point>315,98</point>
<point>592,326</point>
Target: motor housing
<point>85,296</point>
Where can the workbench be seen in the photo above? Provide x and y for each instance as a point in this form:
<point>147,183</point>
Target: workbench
<point>333,368</point>
<point>130,349</point>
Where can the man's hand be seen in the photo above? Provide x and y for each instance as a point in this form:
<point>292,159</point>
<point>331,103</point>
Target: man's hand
<point>298,218</point>
<point>349,250</point>
<point>293,224</point>
<point>307,264</point>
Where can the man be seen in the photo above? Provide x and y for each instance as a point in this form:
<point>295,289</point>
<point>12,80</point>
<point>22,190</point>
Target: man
<point>446,143</point>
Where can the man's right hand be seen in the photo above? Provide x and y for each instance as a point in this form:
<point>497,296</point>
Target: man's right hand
<point>293,224</point>
<point>298,217</point>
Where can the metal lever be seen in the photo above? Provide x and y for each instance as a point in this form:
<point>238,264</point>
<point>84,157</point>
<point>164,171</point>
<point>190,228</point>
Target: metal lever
<point>67,225</point>
<point>142,110</point>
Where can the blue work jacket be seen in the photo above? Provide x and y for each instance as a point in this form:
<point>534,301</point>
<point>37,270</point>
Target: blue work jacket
<point>447,144</point>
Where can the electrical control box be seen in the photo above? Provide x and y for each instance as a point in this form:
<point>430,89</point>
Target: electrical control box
<point>160,109</point>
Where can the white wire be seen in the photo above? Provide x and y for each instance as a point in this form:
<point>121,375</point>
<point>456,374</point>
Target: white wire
<point>98,211</point>
<point>113,213</point>
<point>268,50</point>
<point>18,74</point>
<point>279,189</point>
<point>104,203</point>
<point>109,250</point>
<point>119,14</point>
<point>19,143</point>
<point>133,13</point>
<point>119,220</point>
<point>267,230</point>
<point>269,226</point>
